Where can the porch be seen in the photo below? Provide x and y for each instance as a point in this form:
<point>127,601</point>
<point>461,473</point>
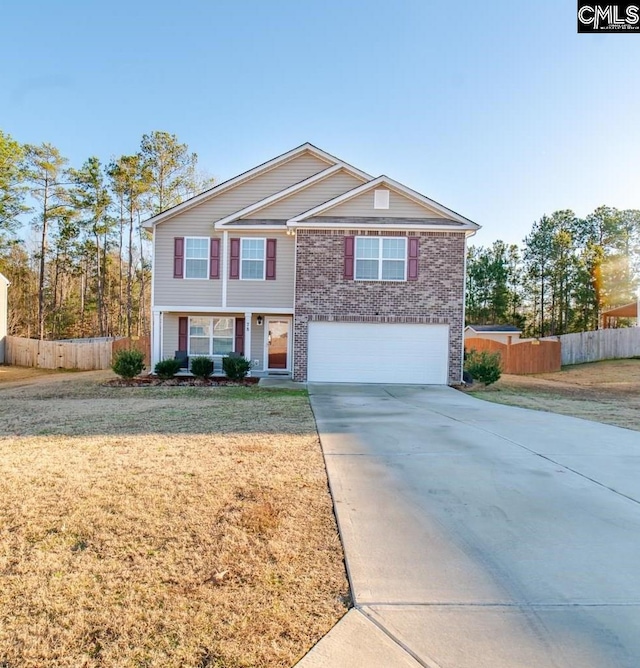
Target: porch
<point>263,337</point>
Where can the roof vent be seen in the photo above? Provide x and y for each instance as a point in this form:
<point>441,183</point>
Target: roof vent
<point>380,199</point>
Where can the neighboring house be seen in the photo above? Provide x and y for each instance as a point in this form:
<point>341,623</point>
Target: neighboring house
<point>611,316</point>
<point>500,333</point>
<point>312,268</point>
<point>4,309</point>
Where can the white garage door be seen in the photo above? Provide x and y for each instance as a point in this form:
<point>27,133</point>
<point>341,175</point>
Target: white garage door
<point>353,352</point>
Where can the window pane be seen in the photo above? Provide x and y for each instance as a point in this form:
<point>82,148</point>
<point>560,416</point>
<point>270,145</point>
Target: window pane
<point>367,269</point>
<point>253,269</point>
<point>253,249</point>
<point>223,327</point>
<point>197,268</point>
<point>367,247</point>
<point>198,346</point>
<point>393,270</point>
<point>222,346</point>
<point>393,248</point>
<point>197,248</point>
<point>199,326</point>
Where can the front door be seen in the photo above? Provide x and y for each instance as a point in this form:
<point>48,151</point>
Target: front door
<point>278,343</point>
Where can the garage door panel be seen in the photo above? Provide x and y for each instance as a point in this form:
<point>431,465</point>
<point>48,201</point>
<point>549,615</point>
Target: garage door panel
<point>377,353</point>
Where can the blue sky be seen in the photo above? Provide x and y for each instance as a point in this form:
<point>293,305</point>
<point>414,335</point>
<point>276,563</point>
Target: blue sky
<point>497,109</point>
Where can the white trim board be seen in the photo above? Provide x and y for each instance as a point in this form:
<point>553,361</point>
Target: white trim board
<point>403,227</point>
<point>258,310</point>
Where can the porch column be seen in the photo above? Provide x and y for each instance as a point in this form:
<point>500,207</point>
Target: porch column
<point>156,339</point>
<point>247,336</point>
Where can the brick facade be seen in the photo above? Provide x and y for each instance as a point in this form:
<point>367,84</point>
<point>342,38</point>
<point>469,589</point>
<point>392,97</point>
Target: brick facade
<point>322,293</point>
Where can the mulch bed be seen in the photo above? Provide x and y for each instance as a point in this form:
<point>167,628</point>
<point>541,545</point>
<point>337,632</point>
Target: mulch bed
<point>186,381</point>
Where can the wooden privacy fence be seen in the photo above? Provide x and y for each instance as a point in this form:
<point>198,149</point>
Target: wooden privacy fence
<point>522,357</point>
<point>142,343</point>
<point>604,344</point>
<point>77,354</point>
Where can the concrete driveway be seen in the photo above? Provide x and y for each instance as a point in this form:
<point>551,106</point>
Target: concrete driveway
<point>478,534</point>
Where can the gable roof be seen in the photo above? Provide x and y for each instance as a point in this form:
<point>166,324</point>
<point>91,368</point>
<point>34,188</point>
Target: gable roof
<point>5,279</point>
<point>463,223</point>
<point>296,187</point>
<point>245,176</point>
<point>450,219</point>
<point>496,329</point>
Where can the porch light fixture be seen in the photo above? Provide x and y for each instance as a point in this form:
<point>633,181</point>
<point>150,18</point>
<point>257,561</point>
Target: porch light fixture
<point>291,232</point>
<point>259,321</point>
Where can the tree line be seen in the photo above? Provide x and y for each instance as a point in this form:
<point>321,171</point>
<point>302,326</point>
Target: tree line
<point>71,240</point>
<point>567,271</point>
<point>72,244</point>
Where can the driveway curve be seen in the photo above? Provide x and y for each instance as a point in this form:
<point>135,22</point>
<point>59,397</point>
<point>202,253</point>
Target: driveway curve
<point>478,534</point>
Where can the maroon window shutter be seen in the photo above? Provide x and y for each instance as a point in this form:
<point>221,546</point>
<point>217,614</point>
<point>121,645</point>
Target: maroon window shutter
<point>183,333</point>
<point>414,253</point>
<point>239,342</point>
<point>178,257</point>
<point>271,260</point>
<point>214,264</point>
<point>349,251</point>
<point>234,263</point>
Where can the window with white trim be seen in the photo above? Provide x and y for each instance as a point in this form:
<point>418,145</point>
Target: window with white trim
<point>381,259</point>
<point>210,336</point>
<point>252,259</point>
<point>196,257</point>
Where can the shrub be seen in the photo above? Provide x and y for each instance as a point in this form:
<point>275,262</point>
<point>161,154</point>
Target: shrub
<point>483,366</point>
<point>168,368</point>
<point>201,367</point>
<point>236,368</point>
<point>128,363</point>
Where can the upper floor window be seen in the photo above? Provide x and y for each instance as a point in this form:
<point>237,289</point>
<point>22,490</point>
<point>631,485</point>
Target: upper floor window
<point>252,259</point>
<point>381,259</point>
<point>196,257</point>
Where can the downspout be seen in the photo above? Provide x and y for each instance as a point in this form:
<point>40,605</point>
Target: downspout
<point>464,300</point>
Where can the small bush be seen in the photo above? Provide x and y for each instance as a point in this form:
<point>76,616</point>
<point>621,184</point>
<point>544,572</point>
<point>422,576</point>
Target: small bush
<point>236,368</point>
<point>483,366</point>
<point>201,367</point>
<point>128,363</point>
<point>168,368</point>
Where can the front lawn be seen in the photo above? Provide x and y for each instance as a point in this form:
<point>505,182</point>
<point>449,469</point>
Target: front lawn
<point>185,527</point>
<point>606,392</point>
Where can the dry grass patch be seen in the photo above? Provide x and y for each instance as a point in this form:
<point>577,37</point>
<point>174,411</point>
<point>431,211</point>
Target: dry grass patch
<point>163,527</point>
<point>14,374</point>
<point>607,392</point>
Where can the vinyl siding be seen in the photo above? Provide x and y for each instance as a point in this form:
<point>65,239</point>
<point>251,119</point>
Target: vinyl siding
<point>169,334</point>
<point>266,294</point>
<point>399,207</point>
<point>312,196</point>
<point>170,291</point>
<point>257,343</point>
<point>198,222</point>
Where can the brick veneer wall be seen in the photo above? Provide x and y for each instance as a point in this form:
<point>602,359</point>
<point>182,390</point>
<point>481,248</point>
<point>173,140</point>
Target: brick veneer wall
<point>322,293</point>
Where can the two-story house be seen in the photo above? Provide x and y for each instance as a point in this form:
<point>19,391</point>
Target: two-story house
<point>311,267</point>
